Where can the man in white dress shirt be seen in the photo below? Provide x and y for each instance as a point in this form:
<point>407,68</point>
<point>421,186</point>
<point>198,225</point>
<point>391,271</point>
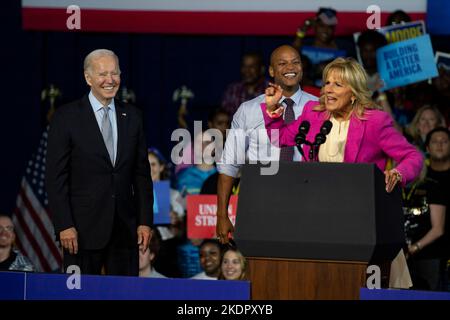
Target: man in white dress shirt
<point>248,138</point>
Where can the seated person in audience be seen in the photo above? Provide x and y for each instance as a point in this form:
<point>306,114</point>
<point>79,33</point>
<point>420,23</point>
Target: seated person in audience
<point>147,259</point>
<point>210,253</point>
<point>426,119</point>
<point>188,258</point>
<point>252,84</point>
<point>233,266</point>
<point>190,180</point>
<point>310,72</point>
<point>10,258</point>
<point>219,119</point>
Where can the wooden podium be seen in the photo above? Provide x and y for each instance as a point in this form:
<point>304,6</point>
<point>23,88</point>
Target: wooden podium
<point>287,279</point>
<point>311,230</point>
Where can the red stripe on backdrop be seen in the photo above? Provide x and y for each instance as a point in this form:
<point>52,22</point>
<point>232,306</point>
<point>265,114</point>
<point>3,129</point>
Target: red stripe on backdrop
<point>220,23</point>
<point>21,247</point>
<point>48,238</point>
<point>33,242</point>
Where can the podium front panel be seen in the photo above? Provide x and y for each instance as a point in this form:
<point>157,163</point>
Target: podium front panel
<point>320,211</point>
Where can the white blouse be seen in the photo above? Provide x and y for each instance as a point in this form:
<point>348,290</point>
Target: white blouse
<point>333,148</point>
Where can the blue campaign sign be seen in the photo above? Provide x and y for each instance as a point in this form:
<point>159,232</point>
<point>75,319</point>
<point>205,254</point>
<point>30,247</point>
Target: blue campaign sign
<point>405,62</point>
<point>161,204</point>
<point>395,33</point>
<point>404,31</point>
<point>443,61</point>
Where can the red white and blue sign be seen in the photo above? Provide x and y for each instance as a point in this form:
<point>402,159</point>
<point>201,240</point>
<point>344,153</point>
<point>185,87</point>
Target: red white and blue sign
<point>405,62</point>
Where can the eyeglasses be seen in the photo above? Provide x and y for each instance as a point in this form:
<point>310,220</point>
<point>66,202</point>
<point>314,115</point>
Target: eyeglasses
<point>7,228</point>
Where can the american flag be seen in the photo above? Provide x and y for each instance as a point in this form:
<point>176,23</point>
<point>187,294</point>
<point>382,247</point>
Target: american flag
<point>34,229</point>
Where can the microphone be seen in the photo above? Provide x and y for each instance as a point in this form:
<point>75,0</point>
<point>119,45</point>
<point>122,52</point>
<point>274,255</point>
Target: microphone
<point>303,129</point>
<point>300,138</point>
<point>326,127</point>
<point>321,137</point>
<point>324,130</point>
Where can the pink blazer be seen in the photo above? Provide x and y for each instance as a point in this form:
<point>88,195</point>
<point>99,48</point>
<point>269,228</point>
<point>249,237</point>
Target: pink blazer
<point>370,140</point>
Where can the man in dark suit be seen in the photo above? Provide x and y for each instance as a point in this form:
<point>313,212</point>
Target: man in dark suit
<point>98,176</point>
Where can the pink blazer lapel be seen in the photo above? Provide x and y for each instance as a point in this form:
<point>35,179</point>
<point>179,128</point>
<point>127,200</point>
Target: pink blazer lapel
<point>354,138</point>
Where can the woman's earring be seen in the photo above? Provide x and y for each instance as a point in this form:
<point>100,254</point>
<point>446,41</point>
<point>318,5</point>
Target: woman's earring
<point>353,101</point>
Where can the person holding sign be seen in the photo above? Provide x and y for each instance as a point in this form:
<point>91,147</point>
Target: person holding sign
<point>360,132</point>
<point>398,17</point>
<point>324,24</point>
<point>324,47</point>
<point>368,43</point>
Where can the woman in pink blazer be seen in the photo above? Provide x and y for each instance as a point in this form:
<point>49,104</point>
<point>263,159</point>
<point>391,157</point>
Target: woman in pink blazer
<point>360,132</point>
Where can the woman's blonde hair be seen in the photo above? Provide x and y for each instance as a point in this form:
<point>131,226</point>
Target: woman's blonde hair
<point>353,74</point>
<point>413,128</point>
<point>242,262</point>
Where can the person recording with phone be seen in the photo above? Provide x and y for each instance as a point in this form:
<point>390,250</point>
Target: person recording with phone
<point>322,47</point>
<point>359,132</point>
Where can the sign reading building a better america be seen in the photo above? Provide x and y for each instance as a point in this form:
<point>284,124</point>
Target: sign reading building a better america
<point>405,62</point>
<point>395,33</point>
<point>404,31</point>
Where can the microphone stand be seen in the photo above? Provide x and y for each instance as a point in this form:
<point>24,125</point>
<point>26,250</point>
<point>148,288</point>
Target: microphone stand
<point>312,155</point>
<point>320,139</point>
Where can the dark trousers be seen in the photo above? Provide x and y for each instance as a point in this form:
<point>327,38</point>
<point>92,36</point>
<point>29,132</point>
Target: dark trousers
<point>119,257</point>
<point>425,273</point>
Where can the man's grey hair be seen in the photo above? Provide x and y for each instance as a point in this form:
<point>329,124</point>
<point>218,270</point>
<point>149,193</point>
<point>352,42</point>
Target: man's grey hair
<point>98,53</point>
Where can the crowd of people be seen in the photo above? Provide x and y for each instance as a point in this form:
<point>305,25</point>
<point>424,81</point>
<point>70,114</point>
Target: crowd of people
<point>404,131</point>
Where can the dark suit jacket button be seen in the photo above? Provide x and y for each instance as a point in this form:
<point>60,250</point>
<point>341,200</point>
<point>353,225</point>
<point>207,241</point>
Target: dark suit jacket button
<point>113,196</point>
